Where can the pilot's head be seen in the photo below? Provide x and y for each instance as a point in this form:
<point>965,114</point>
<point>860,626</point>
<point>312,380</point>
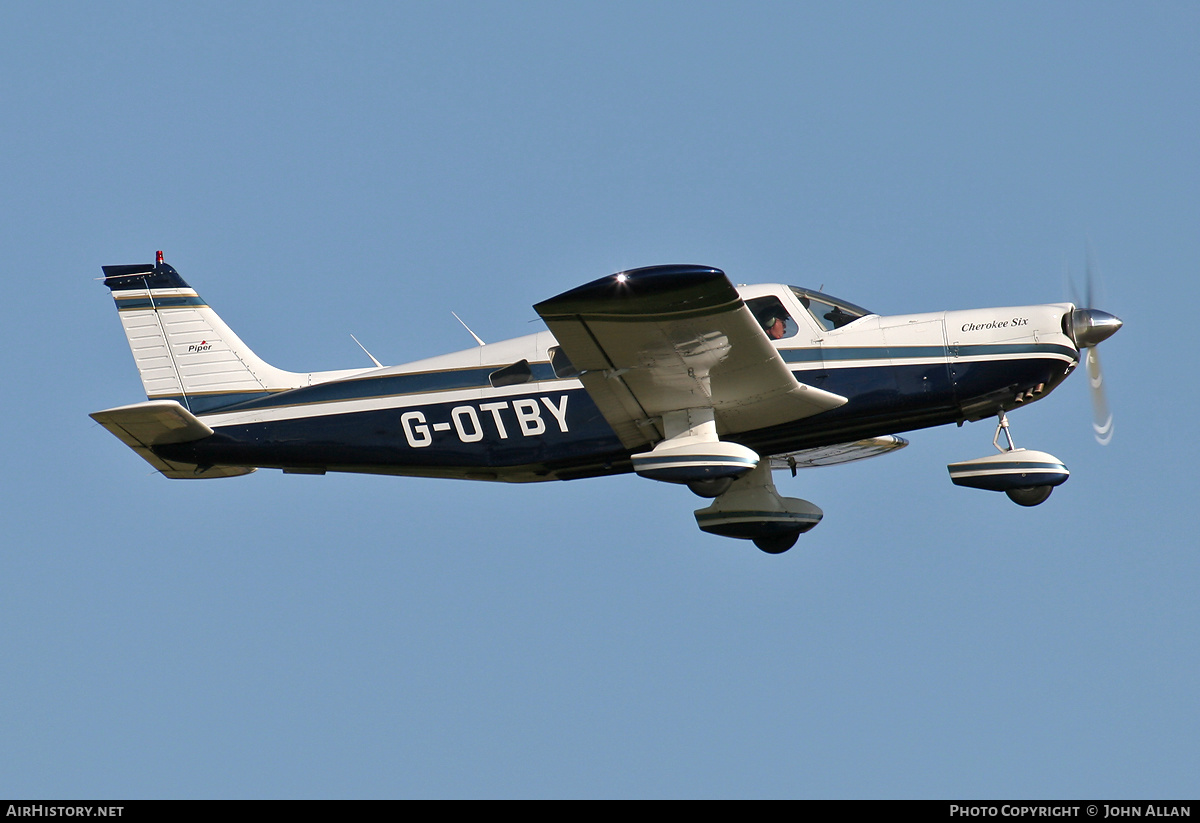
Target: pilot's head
<point>774,326</point>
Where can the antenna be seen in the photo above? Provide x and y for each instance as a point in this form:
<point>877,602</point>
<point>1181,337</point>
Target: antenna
<point>364,348</point>
<point>468,328</point>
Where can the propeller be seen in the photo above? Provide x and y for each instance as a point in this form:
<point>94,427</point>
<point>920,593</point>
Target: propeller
<point>1102,421</point>
<point>1090,327</point>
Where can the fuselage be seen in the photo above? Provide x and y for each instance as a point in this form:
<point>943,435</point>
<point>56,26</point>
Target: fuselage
<point>515,411</point>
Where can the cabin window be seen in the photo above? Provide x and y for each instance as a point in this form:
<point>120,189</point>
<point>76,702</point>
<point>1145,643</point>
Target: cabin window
<point>563,367</point>
<point>513,375</point>
<point>773,317</point>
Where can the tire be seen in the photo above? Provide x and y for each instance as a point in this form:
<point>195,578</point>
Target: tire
<point>777,544</point>
<point>709,489</point>
<point>1031,496</point>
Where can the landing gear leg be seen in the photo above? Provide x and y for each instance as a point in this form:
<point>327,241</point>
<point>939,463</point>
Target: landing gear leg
<point>1002,426</point>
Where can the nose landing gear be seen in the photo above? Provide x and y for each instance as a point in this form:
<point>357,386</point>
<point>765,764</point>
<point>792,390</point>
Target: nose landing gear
<point>1026,476</point>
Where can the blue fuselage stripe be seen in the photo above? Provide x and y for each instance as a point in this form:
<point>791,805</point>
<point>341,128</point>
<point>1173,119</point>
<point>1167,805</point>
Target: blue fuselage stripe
<point>832,354</point>
<point>398,385</point>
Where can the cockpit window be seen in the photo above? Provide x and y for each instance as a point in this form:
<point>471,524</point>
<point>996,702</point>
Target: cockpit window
<point>830,312</point>
<point>773,317</point>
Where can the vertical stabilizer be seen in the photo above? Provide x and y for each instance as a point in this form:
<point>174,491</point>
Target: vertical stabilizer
<point>182,349</point>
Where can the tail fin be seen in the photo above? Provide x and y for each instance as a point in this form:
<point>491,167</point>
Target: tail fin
<point>183,350</point>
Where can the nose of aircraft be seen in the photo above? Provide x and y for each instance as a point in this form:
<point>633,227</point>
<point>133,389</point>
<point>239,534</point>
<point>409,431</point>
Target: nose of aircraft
<point>1092,326</point>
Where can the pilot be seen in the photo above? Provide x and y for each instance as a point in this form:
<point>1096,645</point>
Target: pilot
<point>773,325</point>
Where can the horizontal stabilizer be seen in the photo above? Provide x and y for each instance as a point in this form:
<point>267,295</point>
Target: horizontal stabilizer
<point>156,423</point>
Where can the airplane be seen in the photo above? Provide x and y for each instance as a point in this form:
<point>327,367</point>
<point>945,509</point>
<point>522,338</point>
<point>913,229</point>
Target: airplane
<point>670,372</point>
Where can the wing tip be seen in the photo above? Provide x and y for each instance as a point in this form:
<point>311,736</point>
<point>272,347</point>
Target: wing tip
<point>649,290</point>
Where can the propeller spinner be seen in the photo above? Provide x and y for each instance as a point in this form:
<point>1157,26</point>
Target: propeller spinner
<point>1090,327</point>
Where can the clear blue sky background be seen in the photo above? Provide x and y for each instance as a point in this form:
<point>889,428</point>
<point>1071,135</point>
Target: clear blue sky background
<point>317,170</point>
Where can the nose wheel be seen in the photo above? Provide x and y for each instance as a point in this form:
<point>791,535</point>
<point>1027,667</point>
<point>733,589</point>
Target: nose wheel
<point>1032,496</point>
<point>777,544</point>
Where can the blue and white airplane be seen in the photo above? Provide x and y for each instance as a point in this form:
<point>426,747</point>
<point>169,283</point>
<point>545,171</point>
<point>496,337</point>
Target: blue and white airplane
<point>671,372</point>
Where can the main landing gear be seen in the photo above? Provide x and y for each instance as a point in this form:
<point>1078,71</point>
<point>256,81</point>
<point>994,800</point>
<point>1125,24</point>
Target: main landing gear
<point>1026,476</point>
<point>745,504</point>
<point>752,509</point>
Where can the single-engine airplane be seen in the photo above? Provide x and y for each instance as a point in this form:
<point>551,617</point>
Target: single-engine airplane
<point>671,372</point>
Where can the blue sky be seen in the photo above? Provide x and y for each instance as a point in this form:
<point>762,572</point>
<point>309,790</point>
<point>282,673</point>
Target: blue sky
<point>317,170</point>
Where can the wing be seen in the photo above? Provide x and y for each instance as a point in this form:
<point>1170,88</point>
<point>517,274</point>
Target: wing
<point>667,338</point>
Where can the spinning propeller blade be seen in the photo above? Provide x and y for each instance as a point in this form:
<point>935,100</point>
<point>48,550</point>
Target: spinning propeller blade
<point>1102,421</point>
<point>1090,327</point>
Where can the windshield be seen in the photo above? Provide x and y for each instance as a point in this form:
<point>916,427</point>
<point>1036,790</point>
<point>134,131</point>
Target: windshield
<point>828,311</point>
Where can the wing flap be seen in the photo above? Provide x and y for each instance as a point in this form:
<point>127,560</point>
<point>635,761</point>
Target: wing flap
<point>840,453</point>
